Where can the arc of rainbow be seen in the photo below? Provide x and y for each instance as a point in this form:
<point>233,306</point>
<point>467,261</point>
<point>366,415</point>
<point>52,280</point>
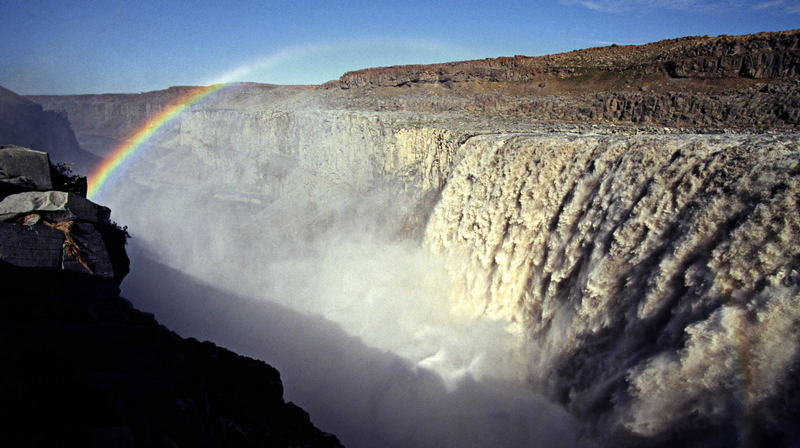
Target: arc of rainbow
<point>122,153</point>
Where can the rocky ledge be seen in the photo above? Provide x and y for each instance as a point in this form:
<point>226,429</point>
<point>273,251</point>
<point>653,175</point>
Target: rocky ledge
<point>747,82</point>
<point>82,367</point>
<point>755,56</point>
<point>49,229</point>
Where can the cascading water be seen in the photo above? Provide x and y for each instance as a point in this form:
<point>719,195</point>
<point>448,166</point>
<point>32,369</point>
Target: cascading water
<point>654,278</point>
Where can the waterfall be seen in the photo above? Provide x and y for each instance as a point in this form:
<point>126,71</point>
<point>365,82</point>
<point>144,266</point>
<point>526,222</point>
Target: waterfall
<point>653,279</point>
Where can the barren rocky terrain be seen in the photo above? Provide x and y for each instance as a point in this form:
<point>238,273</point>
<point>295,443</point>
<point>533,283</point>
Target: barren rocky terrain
<point>748,83</point>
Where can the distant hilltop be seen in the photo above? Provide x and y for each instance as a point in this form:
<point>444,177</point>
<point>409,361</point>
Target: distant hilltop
<point>754,56</point>
<point>747,83</point>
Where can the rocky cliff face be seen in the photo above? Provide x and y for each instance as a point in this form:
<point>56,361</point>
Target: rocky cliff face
<point>82,367</point>
<point>763,55</point>
<point>727,81</point>
<point>24,123</point>
<point>48,229</point>
<point>267,140</point>
<point>101,121</point>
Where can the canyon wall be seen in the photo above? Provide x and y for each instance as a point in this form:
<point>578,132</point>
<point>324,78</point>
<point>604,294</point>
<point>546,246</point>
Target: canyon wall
<point>652,280</point>
<point>25,123</point>
<point>763,55</point>
<point>283,146</point>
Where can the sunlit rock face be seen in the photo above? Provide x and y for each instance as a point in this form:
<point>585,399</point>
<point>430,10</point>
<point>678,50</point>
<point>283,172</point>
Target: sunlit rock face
<point>654,278</point>
<point>347,148</point>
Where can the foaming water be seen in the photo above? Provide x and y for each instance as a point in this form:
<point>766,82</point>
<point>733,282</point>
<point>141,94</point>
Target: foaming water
<point>655,277</point>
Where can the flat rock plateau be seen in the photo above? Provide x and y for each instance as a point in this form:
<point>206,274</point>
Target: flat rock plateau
<point>614,229</point>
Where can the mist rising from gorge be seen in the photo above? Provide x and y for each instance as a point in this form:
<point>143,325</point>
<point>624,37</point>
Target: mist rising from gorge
<point>316,278</point>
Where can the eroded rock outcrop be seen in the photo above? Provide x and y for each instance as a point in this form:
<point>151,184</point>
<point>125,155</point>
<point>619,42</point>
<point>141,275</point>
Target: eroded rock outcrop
<point>22,168</point>
<point>763,55</point>
<point>51,229</point>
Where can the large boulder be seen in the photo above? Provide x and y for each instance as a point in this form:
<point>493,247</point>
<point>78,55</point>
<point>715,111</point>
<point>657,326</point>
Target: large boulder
<point>25,168</point>
<point>54,206</point>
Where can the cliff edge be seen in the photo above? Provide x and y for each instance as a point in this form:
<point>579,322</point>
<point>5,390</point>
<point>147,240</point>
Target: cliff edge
<point>754,56</point>
<point>82,367</point>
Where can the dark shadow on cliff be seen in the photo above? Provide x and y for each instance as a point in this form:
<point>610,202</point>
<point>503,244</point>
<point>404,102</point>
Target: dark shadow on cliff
<point>365,396</point>
<point>25,123</point>
<point>82,367</point>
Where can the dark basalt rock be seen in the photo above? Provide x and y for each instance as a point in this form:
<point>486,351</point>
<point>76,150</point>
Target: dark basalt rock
<point>25,168</point>
<point>93,252</point>
<point>31,246</point>
<point>82,367</point>
<point>56,206</point>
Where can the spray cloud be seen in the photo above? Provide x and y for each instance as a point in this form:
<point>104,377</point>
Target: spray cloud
<point>284,255</point>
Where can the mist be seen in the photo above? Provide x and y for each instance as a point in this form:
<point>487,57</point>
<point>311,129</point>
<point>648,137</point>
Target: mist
<point>320,279</point>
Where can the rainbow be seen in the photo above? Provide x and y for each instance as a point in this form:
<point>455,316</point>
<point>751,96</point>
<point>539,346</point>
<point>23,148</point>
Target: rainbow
<point>100,177</point>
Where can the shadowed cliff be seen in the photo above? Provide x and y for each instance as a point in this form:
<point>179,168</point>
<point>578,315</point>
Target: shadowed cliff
<point>82,367</point>
<point>24,123</point>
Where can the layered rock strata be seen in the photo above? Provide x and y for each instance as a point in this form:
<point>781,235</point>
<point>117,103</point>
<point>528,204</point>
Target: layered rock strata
<point>762,55</point>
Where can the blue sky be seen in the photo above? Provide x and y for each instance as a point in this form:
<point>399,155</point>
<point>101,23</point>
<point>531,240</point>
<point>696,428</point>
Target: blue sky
<point>60,47</point>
